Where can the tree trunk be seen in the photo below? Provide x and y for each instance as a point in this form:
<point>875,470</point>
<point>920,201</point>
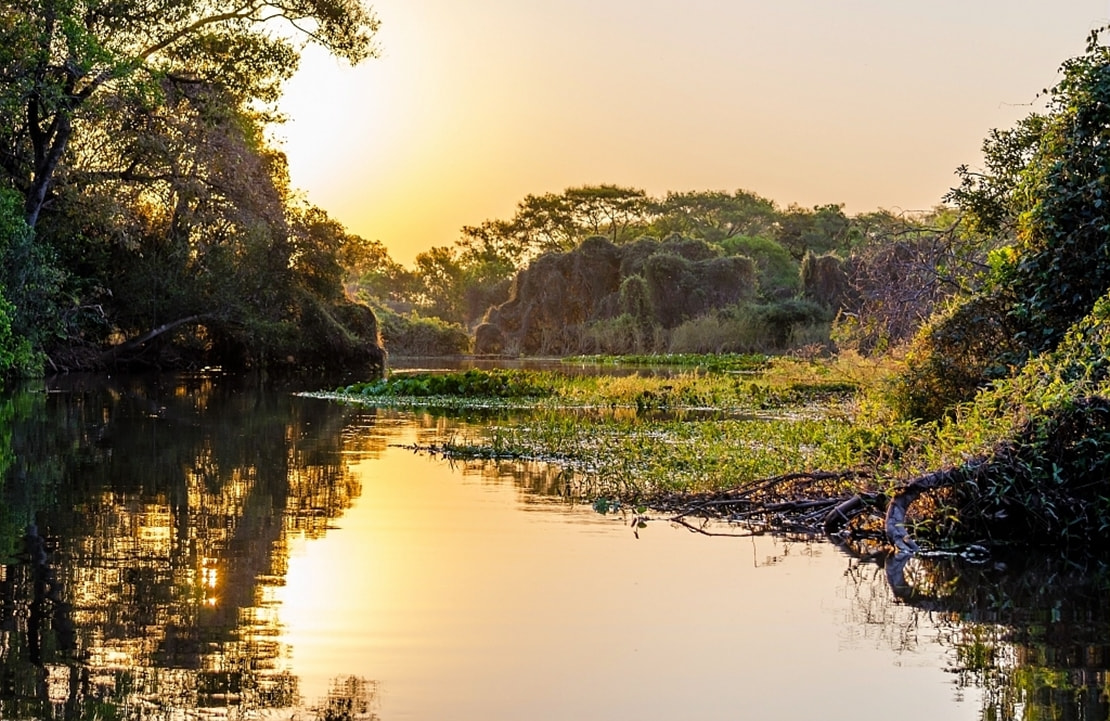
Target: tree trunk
<point>115,351</point>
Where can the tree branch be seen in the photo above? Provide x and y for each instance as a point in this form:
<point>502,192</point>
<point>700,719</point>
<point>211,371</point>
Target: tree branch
<point>115,351</point>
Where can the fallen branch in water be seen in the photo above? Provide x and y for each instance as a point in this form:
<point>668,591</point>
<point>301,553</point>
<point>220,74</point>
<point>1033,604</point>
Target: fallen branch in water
<point>809,504</point>
<point>895,521</point>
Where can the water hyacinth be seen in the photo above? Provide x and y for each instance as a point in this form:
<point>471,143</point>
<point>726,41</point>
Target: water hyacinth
<point>635,436</point>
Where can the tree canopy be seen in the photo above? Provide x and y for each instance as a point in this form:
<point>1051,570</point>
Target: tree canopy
<point>134,138</point>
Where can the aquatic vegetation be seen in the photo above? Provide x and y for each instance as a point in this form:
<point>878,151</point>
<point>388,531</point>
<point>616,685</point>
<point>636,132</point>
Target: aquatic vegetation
<point>468,384</point>
<point>787,388</point>
<point>633,437</point>
<point>734,362</point>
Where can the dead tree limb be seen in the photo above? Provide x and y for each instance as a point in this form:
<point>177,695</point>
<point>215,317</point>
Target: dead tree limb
<point>135,343</point>
<point>900,504</point>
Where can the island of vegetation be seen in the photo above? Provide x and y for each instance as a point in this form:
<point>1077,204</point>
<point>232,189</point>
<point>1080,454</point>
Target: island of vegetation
<point>944,372</point>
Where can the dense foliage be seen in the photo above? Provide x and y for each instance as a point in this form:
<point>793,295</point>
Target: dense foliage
<point>144,217</point>
<point>1046,193</point>
<point>1028,459</point>
<point>698,271</point>
<point>1018,370</point>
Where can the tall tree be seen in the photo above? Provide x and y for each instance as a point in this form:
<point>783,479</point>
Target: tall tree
<point>560,221</point>
<point>823,229</point>
<point>715,216</point>
<point>66,62</point>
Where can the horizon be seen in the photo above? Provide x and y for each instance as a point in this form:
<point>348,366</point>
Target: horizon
<point>468,110</point>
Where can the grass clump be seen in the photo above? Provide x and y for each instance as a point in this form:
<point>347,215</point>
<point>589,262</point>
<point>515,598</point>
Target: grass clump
<point>715,362</point>
<point>467,384</point>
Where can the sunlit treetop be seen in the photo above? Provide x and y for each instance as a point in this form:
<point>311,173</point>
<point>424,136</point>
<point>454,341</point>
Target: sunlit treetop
<point>61,59</point>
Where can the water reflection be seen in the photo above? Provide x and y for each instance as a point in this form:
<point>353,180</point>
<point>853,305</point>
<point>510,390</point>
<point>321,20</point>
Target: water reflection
<point>148,522</point>
<point>1032,631</point>
<point>169,545</point>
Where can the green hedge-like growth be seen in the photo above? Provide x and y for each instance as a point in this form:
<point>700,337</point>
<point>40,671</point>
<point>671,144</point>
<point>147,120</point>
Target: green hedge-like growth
<point>467,384</point>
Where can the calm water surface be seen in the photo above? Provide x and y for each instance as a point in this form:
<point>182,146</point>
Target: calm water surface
<point>197,547</point>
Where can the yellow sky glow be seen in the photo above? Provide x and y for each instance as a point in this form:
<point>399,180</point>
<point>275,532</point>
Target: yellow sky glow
<point>472,106</point>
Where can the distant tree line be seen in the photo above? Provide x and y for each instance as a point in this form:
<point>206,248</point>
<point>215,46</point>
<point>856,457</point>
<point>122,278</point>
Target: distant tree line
<point>699,271</point>
<point>146,221</point>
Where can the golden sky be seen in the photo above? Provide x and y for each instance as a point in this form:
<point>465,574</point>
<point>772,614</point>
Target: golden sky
<point>472,106</point>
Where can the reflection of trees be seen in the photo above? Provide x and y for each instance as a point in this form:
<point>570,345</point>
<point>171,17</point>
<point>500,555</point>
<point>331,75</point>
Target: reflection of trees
<point>1033,633</point>
<point>163,511</point>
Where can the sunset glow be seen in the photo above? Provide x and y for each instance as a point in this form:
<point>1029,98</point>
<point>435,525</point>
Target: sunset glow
<point>473,106</point>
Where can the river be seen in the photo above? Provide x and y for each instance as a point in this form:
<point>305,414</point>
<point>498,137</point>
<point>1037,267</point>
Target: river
<point>189,546</point>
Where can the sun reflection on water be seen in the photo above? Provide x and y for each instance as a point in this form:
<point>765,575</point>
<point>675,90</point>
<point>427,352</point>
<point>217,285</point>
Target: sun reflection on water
<point>285,556</point>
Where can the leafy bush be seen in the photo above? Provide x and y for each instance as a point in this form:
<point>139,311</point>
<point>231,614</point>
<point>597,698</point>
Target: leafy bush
<point>16,356</point>
<point>777,271</point>
<point>955,354</point>
<point>469,384</point>
<point>416,335</point>
<point>32,283</point>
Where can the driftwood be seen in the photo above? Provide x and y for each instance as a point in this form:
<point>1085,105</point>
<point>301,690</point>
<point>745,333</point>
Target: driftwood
<point>809,504</point>
<point>116,351</point>
<point>895,523</point>
<point>804,504</point>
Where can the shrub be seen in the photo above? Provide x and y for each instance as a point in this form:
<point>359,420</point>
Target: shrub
<point>777,271</point>
<point>29,293</point>
<point>16,356</point>
<point>714,333</point>
<point>1039,446</point>
<point>753,328</point>
<point>621,335</point>
<point>957,353</point>
<point>469,384</point>
<point>415,335</point>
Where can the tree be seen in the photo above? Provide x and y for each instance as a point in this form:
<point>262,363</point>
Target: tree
<point>440,275</point>
<point>559,222</point>
<point>823,229</point>
<point>1046,186</point>
<point>372,271</point>
<point>714,216</point>
<point>903,268</point>
<point>69,61</point>
<point>135,133</point>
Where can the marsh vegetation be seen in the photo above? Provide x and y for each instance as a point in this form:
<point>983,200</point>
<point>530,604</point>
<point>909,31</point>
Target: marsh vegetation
<point>994,425</point>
